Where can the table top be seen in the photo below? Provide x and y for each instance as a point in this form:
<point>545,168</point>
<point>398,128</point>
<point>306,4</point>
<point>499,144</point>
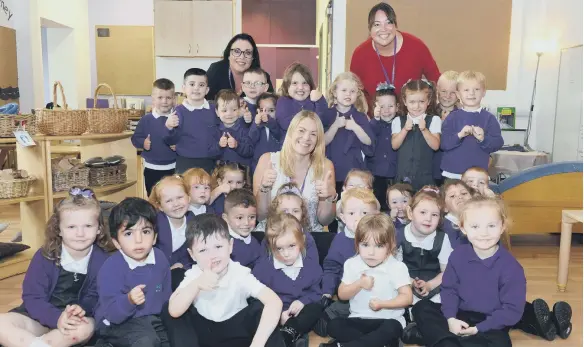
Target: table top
<point>526,154</point>
<point>574,215</point>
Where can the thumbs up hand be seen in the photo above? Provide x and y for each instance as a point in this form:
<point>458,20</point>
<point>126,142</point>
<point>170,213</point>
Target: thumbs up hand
<point>377,111</point>
<point>315,95</point>
<point>223,141</point>
<point>231,142</point>
<point>247,117</point>
<point>172,121</point>
<point>147,143</point>
<point>351,124</point>
<point>326,188</point>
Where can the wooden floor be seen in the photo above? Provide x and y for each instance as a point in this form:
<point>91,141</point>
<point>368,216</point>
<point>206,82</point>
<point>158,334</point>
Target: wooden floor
<point>538,255</point>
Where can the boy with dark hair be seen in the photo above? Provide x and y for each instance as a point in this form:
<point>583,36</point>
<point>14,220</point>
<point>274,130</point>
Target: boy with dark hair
<point>210,306</point>
<point>134,283</point>
<point>265,133</point>
<point>240,215</point>
<point>159,158</point>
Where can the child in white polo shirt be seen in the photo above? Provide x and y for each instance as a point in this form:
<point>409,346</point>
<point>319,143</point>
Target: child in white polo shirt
<point>210,307</point>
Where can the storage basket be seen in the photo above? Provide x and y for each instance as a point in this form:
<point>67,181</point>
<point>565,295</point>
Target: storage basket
<point>103,176</point>
<point>11,122</point>
<point>64,180</point>
<point>16,188</point>
<point>61,121</point>
<point>107,120</point>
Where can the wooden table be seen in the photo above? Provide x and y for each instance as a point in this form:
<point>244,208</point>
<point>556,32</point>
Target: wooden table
<point>569,217</point>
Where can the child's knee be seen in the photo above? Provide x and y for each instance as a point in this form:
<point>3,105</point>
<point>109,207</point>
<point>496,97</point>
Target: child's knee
<point>83,333</point>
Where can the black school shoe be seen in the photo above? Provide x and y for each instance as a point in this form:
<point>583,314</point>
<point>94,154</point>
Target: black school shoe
<point>412,335</point>
<point>545,327</point>
<point>561,317</point>
<point>331,343</point>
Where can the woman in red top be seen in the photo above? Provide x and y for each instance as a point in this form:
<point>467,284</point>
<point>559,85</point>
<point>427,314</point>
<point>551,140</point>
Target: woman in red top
<point>390,55</point>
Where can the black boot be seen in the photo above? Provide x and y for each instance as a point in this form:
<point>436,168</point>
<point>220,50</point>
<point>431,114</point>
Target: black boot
<point>331,343</point>
<point>412,335</point>
<point>536,320</point>
<point>290,335</point>
<point>561,318</point>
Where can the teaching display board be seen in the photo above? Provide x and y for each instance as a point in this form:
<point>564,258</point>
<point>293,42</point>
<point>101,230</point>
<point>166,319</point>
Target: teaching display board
<point>124,58</point>
<point>461,34</point>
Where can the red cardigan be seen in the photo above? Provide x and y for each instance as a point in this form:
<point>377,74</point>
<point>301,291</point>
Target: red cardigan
<point>413,60</point>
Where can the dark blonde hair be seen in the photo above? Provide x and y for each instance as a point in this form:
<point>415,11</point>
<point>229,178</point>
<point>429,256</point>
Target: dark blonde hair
<point>280,223</point>
<point>223,168</point>
<point>156,194</point>
<point>477,169</point>
<point>362,174</point>
<point>414,86</point>
<point>53,243</point>
<point>480,201</point>
<point>361,102</point>
<point>453,183</point>
<point>430,193</point>
<point>290,190</point>
<point>196,176</point>
<point>366,196</point>
<point>379,227</point>
<point>293,68</point>
<point>226,95</point>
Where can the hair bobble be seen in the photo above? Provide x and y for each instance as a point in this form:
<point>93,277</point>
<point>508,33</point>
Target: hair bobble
<point>431,189</point>
<point>384,86</point>
<point>77,191</point>
<point>287,189</point>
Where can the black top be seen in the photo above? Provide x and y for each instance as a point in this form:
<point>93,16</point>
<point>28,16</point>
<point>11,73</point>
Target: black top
<point>66,291</point>
<point>219,78</point>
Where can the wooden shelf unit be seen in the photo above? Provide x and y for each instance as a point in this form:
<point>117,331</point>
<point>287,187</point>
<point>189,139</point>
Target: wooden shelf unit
<point>37,207</point>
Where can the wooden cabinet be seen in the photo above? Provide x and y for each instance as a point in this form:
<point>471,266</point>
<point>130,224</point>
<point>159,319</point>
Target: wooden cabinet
<point>192,28</point>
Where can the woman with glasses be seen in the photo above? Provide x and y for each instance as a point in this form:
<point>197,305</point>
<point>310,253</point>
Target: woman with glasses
<point>240,54</point>
<point>389,55</point>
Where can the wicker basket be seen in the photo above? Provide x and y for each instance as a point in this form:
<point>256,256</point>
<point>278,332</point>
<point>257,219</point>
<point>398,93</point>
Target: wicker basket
<point>64,180</point>
<point>61,121</point>
<point>107,120</point>
<point>16,188</point>
<point>11,122</point>
<point>104,176</point>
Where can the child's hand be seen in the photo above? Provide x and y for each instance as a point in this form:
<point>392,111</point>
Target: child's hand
<point>224,188</point>
<point>375,304</point>
<point>456,326</point>
<point>393,214</point>
<point>177,266</point>
<point>284,317</point>
<point>340,121</point>
<point>231,142</point>
<point>367,282</point>
<point>172,121</point>
<point>269,178</point>
<point>136,295</point>
<point>478,133</point>
<point>488,193</point>
<point>325,188</point>
<point>422,287</point>
<point>465,131</point>
<point>315,95</point>
<point>223,141</point>
<point>295,308</point>
<point>69,321</point>
<point>377,111</point>
<point>422,124</point>
<point>147,143</point>
<point>258,118</point>
<point>208,280</point>
<point>351,124</point>
<point>409,125</point>
<point>265,116</point>
<point>247,117</point>
<point>173,148</point>
<point>469,331</point>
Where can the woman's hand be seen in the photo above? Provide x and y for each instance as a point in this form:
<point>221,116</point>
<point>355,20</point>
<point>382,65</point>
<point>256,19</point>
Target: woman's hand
<point>325,188</point>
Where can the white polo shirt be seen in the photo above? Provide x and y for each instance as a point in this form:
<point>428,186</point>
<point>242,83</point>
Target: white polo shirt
<point>231,294</point>
<point>388,277</point>
<point>179,236</point>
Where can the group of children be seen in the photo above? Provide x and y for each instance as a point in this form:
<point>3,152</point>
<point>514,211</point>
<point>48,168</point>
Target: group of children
<point>410,262</point>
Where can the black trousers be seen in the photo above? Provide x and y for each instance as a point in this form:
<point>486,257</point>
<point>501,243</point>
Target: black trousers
<point>359,332</point>
<point>145,331</point>
<point>184,163</point>
<point>306,319</point>
<point>176,277</point>
<point>434,328</point>
<point>380,185</point>
<point>151,177</point>
<point>334,226</point>
<point>193,330</point>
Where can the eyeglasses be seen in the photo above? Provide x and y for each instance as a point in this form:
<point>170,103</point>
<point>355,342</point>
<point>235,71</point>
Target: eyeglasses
<point>237,53</point>
<point>253,84</point>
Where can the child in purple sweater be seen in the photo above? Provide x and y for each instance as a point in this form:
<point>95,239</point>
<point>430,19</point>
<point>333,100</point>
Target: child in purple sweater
<point>59,288</point>
<point>134,282</point>
<point>469,134</point>
<point>265,133</point>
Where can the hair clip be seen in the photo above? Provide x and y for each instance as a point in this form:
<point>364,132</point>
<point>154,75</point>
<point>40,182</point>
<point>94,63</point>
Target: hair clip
<point>406,180</point>
<point>384,86</point>
<point>86,193</point>
<point>431,189</point>
<point>287,189</point>
<point>427,82</point>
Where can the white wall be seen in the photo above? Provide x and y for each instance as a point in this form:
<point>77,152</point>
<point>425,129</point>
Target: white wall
<point>141,12</point>
<point>6,13</point>
<point>531,20</point>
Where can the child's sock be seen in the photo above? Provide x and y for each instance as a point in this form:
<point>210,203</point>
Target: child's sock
<point>38,342</point>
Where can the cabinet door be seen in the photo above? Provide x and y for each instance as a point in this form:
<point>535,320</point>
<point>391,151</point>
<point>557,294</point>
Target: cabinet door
<point>212,27</point>
<point>173,28</point>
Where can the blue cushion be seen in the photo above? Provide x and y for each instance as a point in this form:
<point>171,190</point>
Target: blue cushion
<point>536,172</point>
